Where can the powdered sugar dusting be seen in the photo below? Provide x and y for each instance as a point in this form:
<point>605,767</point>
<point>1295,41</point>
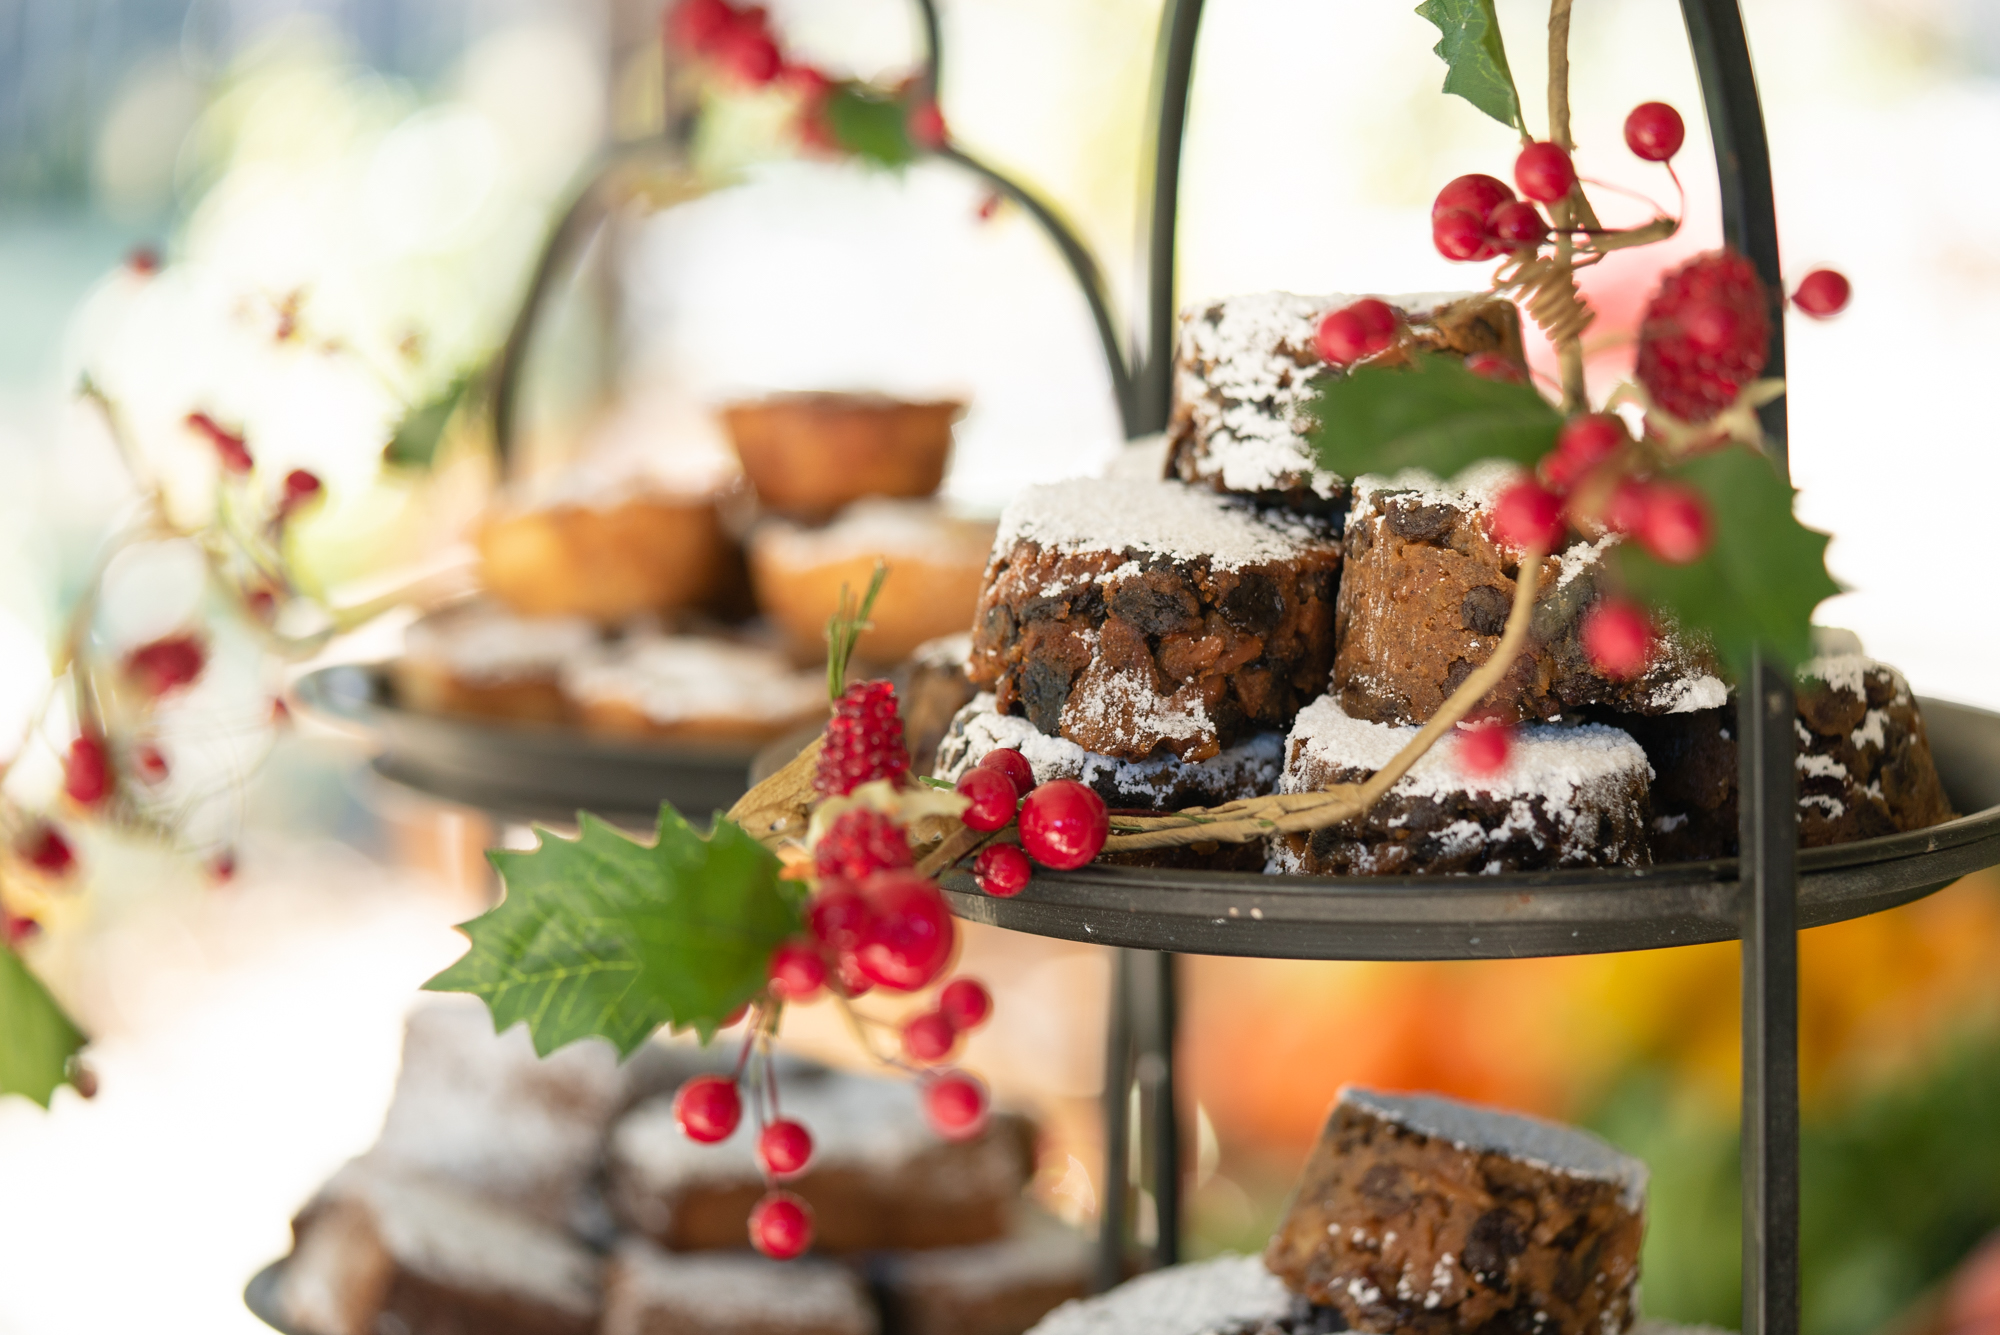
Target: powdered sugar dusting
<point>653,1290</point>
<point>1203,1299</point>
<point>483,642</point>
<point>1685,695</point>
<point>1473,489</point>
<point>880,527</point>
<point>673,678</point>
<point>1127,702</point>
<point>1161,518</point>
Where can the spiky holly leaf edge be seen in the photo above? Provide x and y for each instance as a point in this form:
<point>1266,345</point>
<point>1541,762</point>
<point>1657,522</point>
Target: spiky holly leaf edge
<point>1475,59</point>
<point>37,1039</point>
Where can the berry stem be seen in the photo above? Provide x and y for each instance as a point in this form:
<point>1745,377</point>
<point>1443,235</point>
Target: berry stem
<point>1567,213</point>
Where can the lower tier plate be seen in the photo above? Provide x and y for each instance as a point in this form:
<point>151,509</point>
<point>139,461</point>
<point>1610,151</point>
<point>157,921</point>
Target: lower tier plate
<point>1515,914</point>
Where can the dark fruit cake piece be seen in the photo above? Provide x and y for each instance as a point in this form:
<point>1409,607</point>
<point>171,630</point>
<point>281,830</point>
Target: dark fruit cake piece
<point>1243,368</point>
<point>993,1288</point>
<point>1419,1215</point>
<point>1141,617</point>
<point>1569,796</point>
<point>651,1292</point>
<point>931,687</point>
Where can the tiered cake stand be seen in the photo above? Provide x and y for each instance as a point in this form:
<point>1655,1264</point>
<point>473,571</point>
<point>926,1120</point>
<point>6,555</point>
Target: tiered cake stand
<point>1764,898</point>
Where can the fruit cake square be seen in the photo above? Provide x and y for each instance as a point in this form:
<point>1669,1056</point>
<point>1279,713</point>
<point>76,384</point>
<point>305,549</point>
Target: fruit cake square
<point>1136,618</point>
<point>651,1292</point>
<point>992,1288</point>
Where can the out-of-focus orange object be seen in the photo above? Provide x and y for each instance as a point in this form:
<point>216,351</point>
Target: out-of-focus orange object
<point>1972,1306</point>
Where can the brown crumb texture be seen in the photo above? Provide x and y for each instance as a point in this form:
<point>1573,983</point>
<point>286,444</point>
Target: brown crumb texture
<point>1472,1222</point>
<point>1424,597</point>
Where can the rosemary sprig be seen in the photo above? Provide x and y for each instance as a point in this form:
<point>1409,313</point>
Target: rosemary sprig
<point>844,627</point>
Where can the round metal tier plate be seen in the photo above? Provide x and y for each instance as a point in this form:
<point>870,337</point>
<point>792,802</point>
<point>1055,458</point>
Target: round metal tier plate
<point>1516,914</point>
<point>260,1295</point>
<point>528,771</point>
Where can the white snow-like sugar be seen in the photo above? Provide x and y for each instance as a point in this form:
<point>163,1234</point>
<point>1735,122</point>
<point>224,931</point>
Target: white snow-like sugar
<point>487,643</point>
<point>674,678</point>
<point>654,1290</point>
<point>1157,518</point>
<point>1207,1298</point>
<point>880,527</point>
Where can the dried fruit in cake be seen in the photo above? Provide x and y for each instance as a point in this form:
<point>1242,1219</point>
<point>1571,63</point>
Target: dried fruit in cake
<point>809,455</point>
<point>1242,372</point>
<point>934,558</point>
<point>1562,796</point>
<point>1138,618</point>
<point>1419,1213</point>
<point>1425,594</point>
<point>484,660</point>
<point>691,688</point>
<point>1704,336</point>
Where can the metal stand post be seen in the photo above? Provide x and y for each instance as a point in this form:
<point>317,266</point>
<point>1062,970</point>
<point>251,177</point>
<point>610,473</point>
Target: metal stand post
<point>1139,1068</point>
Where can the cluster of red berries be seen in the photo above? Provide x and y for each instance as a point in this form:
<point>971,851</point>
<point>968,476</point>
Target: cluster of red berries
<point>963,1005</point>
<point>300,485</point>
<point>1062,824</point>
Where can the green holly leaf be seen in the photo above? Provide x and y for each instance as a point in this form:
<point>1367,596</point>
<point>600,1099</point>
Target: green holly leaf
<point>1763,574</point>
<point>416,439</point>
<point>603,935</point>
<point>36,1038</point>
<point>869,125</point>
<point>1435,415</point>
<point>1477,62</point>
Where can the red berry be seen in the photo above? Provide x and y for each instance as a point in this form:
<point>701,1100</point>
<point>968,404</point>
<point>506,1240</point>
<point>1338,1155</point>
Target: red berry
<point>1584,442</point>
<point>229,445</point>
<point>926,125</point>
<point>1516,225</point>
<point>749,54</point>
<point>810,84</point>
<point>781,1225</point>
<point>858,844</point>
<point>1342,337</point>
<point>699,25</point>
<point>966,1003</point>
<point>956,1105</point>
<point>47,851</point>
<point>836,915</point>
<point>150,762</point>
<point>929,1037</point>
<point>735,1017</point>
<point>1626,510</point>
<point>1823,292</point>
<point>87,771</point>
<point>853,983</point>
<point>708,1108</point>
<point>1003,870</point>
<point>785,1147</point>
<point>1012,764</point>
<point>1544,172</point>
<point>17,930</point>
<point>992,796</point>
<point>1654,131</point>
<point>864,740</point>
<point>1379,317</point>
<point>1476,193</point>
<point>797,971</point>
<point>300,487</point>
<point>1482,749</point>
<point>1528,515</point>
<point>1493,366</point>
<point>222,867</point>
<point>1705,335</point>
<point>1676,527</point>
<point>1459,234</point>
<point>166,664</point>
<point>908,937</point>
<point>1617,637</point>
<point>144,261</point>
<point>1063,824</point>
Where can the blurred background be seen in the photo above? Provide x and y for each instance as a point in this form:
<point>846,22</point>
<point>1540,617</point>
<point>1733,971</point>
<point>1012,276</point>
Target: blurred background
<point>318,217</point>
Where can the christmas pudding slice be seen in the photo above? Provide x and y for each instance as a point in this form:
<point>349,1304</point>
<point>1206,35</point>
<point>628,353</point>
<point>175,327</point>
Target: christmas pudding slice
<point>1555,796</point>
<point>651,1292</point>
<point>992,1288</point>
<point>1419,1215</point>
<point>1136,618</point>
<point>1243,371</point>
<point>482,660</point>
<point>692,688</point>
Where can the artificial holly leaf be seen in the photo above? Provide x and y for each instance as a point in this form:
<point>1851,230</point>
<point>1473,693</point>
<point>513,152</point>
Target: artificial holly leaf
<point>603,935</point>
<point>36,1038</point>
<point>1477,62</point>
<point>1434,415</point>
<point>1764,571</point>
<point>415,442</point>
<point>870,126</point>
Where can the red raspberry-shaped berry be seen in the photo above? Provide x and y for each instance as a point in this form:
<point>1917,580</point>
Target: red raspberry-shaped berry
<point>1517,226</point>
<point>908,936</point>
<point>781,1225</point>
<point>1002,870</point>
<point>1476,193</point>
<point>150,762</point>
<point>785,1147</point>
<point>1544,172</point>
<point>1676,527</point>
<point>166,664</point>
<point>1493,366</point>
<point>1063,824</point>
<point>864,741</point>
<point>858,844</point>
<point>708,1108</point>
<point>17,930</point>
<point>929,1037</point>
<point>1483,749</point>
<point>1012,764</point>
<point>966,1003</point>
<point>1705,335</point>
<point>47,851</point>
<point>992,796</point>
<point>797,972</point>
<point>1584,442</point>
<point>87,771</point>
<point>1823,293</point>
<point>926,126</point>
<point>229,445</point>
<point>1617,637</point>
<point>300,486</point>
<point>956,1105</point>
<point>1654,131</point>
<point>1528,515</point>
<point>1460,234</point>
<point>837,914</point>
